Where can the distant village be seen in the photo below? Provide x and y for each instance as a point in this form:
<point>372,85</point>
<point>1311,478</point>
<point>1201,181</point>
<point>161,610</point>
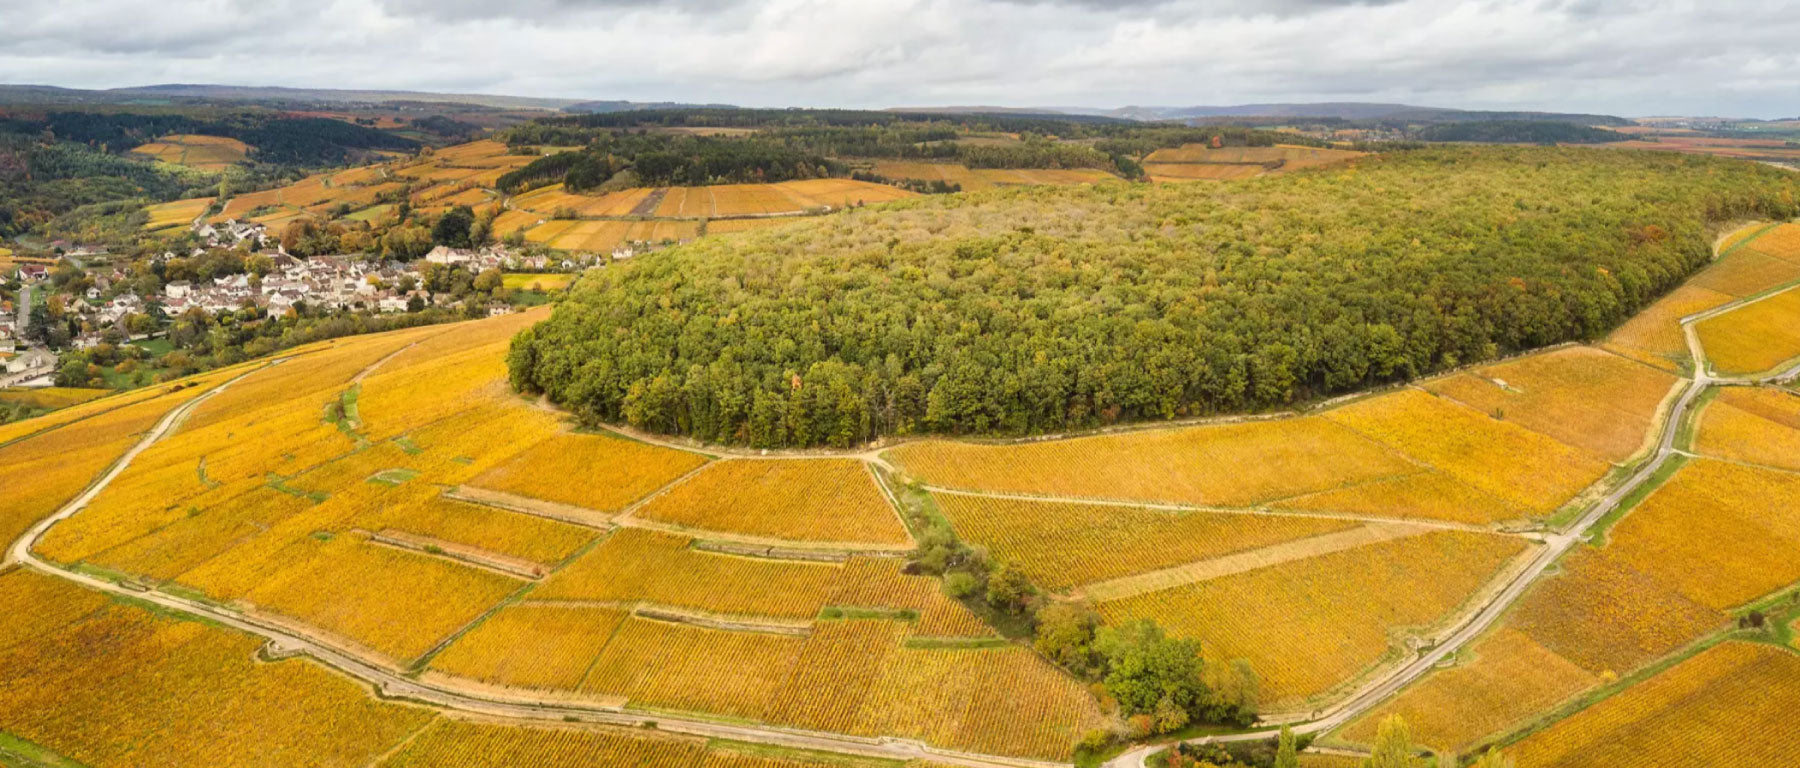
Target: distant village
<point>109,303</point>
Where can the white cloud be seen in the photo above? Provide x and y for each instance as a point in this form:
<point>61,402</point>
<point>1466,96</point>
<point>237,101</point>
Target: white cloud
<point>1576,55</point>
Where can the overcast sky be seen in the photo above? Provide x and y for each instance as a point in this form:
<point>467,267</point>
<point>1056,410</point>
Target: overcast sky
<point>1615,56</point>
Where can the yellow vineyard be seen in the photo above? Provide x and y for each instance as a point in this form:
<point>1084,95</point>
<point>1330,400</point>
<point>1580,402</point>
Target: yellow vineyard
<point>825,500</point>
<point>1754,338</point>
<point>207,153</point>
<point>1726,706</point>
<point>1310,624</point>
<point>1062,545</point>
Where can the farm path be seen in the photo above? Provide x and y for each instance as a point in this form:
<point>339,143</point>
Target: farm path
<point>1239,562</point>
<point>1379,690</point>
<point>284,641</point>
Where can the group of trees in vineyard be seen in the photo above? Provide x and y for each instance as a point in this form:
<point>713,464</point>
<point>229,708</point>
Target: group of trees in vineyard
<point>1039,310</point>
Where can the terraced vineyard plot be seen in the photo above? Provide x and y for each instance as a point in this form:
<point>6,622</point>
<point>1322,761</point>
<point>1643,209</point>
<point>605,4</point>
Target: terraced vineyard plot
<point>824,500</point>
<point>1760,426</point>
<point>509,222</point>
<point>457,743</point>
<point>46,470</point>
<point>879,583</point>
<point>1654,335</point>
<point>1747,272</point>
<point>1308,625</point>
<point>1607,618</point>
<point>1062,545</point>
<point>1421,495</point>
<point>949,173</point>
<point>1722,534</point>
<point>592,471</point>
<point>1581,396</point>
<point>1754,338</point>
<point>840,193</point>
<point>204,529</point>
<point>733,226</point>
<point>531,645</point>
<point>754,199</point>
<point>394,602</point>
<point>1727,706</point>
<point>835,673</point>
<point>424,513</point>
<point>45,604</point>
<point>180,213</point>
<point>688,202</point>
<point>207,153</point>
<point>1230,464</point>
<point>677,666</point>
<point>1510,678</point>
<point>634,564</point>
<point>124,688</point>
<point>528,281</point>
<point>996,700</point>
<point>1199,161</point>
<point>1174,172</point>
<point>1507,461</point>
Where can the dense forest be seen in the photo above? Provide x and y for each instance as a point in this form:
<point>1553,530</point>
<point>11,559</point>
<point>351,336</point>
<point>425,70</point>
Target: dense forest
<point>1032,310</point>
<point>804,144</point>
<point>1520,132</point>
<point>273,138</point>
<point>40,181</point>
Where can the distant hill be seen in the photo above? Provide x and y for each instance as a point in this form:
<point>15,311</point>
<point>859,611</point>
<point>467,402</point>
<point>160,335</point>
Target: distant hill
<point>1341,110</point>
<point>201,92</point>
<point>601,107</point>
<point>1520,132</point>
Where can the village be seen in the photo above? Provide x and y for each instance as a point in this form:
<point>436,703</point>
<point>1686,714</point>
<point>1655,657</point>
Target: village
<point>109,305</point>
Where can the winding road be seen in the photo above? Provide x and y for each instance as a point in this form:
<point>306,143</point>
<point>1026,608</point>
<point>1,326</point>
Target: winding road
<point>285,642</point>
<point>1380,690</point>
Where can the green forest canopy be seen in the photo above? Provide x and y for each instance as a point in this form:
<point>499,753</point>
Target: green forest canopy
<point>1032,310</point>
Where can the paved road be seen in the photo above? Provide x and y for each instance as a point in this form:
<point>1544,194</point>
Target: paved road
<point>284,642</point>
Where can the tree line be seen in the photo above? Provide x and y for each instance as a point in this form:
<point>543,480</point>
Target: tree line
<point>1036,310</point>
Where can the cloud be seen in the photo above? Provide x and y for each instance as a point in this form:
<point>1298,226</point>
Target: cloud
<point>1618,56</point>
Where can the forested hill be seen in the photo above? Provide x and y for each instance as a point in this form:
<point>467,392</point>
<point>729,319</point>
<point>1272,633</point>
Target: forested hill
<point>1520,132</point>
<point>1042,309</point>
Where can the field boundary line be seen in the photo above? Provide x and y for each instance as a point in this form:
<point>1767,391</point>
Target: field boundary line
<point>1247,511</point>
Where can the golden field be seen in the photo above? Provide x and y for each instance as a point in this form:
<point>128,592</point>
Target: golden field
<point>1751,424</point>
<point>207,153</point>
<point>1509,678</point>
<point>1509,462</point>
<point>1726,706</point>
<point>1581,396</point>
<point>630,470</point>
<point>1754,338</point>
<point>1308,625</point>
<point>822,500</point>
<point>1721,534</point>
<point>121,687</point>
<point>51,398</point>
<point>1059,545</point>
<point>1228,464</point>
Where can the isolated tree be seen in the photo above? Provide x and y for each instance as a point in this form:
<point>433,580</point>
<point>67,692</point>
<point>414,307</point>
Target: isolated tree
<point>1393,746</point>
<point>1287,749</point>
